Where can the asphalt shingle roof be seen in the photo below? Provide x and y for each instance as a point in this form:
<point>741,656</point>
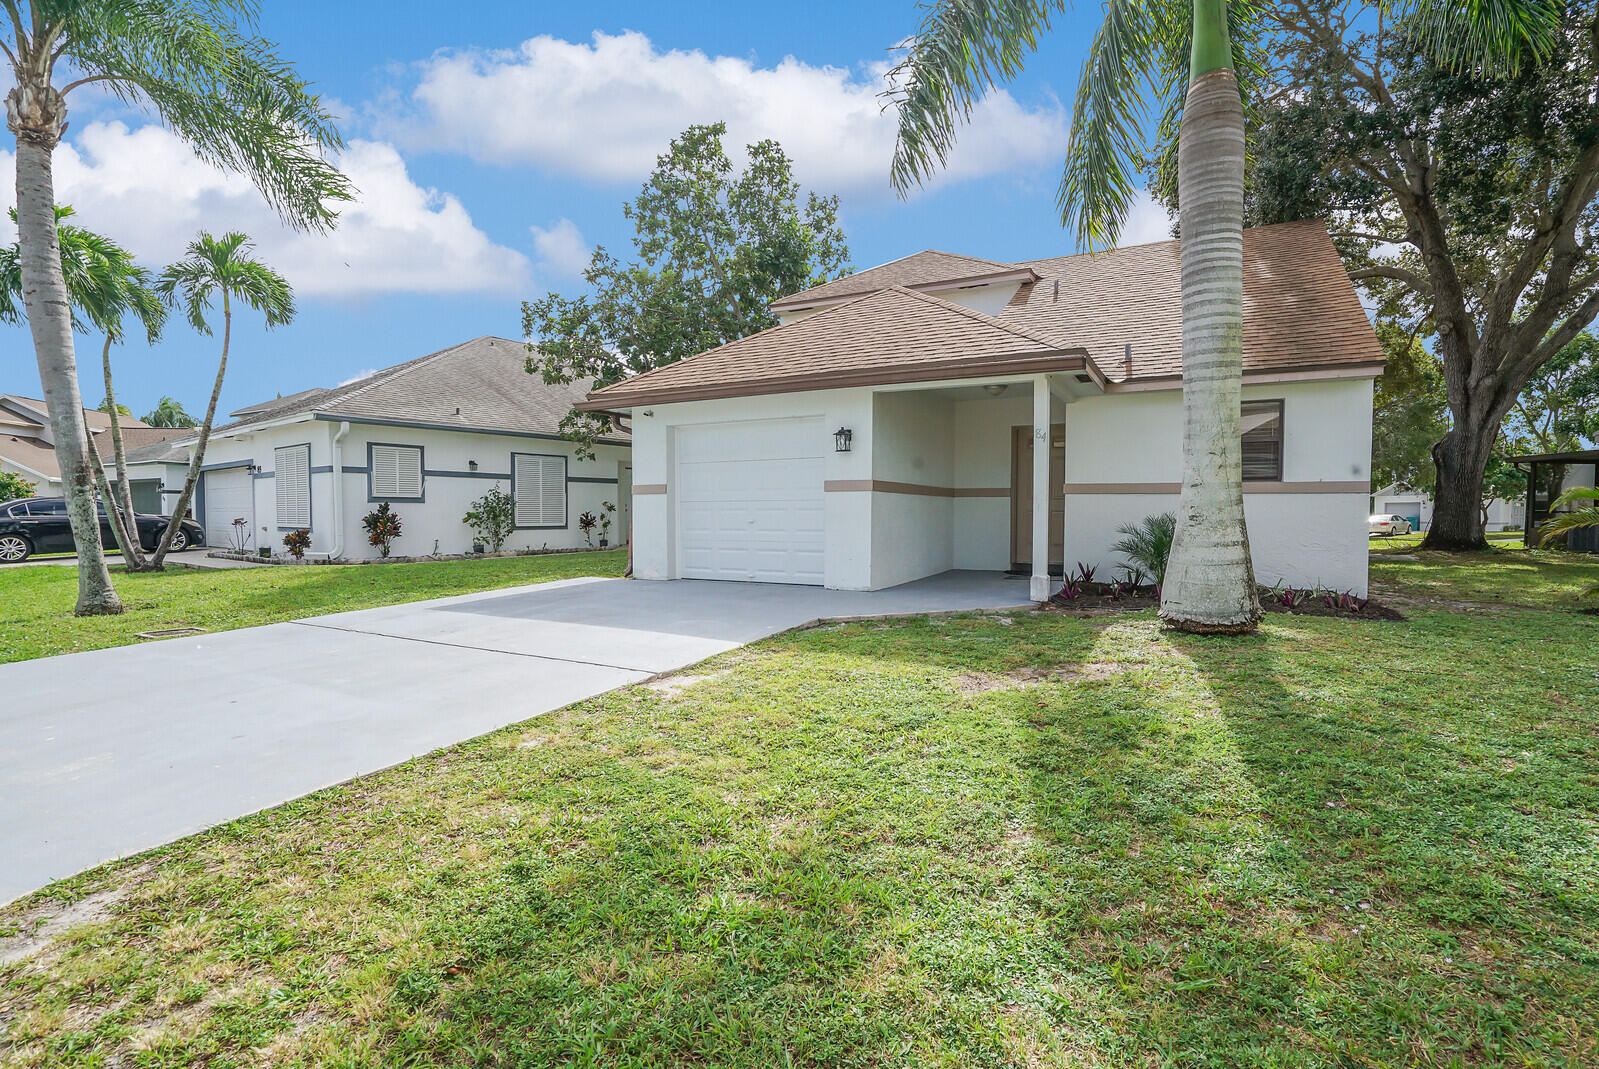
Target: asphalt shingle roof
<point>1300,313</point>
<point>481,384</point>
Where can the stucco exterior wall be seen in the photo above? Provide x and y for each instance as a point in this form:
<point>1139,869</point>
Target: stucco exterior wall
<point>448,485</point>
<point>1310,529</point>
<point>913,450</point>
<point>1123,461</point>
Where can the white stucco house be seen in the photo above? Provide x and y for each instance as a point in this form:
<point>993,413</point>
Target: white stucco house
<point>429,436</point>
<point>902,422</point>
<point>1416,506</point>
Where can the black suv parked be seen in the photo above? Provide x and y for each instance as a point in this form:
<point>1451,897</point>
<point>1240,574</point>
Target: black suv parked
<point>40,525</point>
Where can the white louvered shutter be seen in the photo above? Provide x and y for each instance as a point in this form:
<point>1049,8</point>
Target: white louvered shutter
<point>396,471</point>
<point>539,488</point>
<point>291,466</point>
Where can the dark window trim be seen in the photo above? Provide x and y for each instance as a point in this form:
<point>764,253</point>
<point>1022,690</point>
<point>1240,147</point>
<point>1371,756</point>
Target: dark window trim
<point>1276,402</point>
<point>421,467</point>
<point>566,497</point>
<point>310,498</point>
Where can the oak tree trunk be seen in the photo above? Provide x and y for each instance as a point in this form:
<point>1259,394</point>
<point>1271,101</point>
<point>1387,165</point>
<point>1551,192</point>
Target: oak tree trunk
<point>1210,578</point>
<point>36,113</point>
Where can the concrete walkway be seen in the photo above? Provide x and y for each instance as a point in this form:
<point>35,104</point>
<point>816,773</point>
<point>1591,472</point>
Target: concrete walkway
<point>266,714</point>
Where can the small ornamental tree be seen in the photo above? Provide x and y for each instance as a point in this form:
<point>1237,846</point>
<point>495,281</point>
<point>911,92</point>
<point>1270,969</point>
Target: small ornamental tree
<point>13,486</point>
<point>586,523</point>
<point>297,542</point>
<point>492,518</point>
<point>382,527</point>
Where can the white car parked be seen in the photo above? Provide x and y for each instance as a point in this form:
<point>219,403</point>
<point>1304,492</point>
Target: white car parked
<point>1387,526</point>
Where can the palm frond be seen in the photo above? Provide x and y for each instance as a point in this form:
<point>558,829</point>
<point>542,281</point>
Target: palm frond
<point>213,265</point>
<point>1147,543</point>
<point>227,93</point>
<point>1493,37</point>
<point>1576,519</point>
<point>963,48</point>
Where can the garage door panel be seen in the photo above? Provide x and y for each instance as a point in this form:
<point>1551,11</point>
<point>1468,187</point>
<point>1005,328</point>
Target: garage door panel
<point>229,495</point>
<point>750,501</point>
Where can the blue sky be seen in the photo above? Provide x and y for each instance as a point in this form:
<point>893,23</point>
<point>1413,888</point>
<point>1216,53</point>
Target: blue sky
<point>494,144</point>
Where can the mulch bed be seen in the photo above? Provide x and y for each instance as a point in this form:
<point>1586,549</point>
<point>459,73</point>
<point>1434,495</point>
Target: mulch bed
<point>1098,598</point>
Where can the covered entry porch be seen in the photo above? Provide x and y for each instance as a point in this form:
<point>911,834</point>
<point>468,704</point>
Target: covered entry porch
<point>957,470</point>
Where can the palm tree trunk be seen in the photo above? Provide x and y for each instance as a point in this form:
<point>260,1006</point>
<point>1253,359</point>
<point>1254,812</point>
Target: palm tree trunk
<point>119,529</point>
<point>1210,579</point>
<point>37,115</point>
<point>193,477</point>
<point>132,551</point>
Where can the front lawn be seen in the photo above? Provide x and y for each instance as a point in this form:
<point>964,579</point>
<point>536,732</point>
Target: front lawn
<point>36,603</point>
<point>1032,840</point>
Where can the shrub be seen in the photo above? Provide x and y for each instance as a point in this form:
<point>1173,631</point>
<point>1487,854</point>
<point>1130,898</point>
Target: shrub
<point>13,486</point>
<point>1147,543</point>
<point>297,542</point>
<point>382,527</point>
<point>586,523</point>
<point>492,518</point>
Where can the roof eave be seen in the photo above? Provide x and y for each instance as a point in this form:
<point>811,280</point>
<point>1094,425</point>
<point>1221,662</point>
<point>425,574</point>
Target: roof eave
<point>1028,363</point>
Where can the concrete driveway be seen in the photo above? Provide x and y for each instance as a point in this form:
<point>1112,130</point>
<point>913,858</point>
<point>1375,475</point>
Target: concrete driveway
<point>111,752</point>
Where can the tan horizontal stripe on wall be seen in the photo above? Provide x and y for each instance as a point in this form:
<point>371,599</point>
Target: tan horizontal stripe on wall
<point>649,488</point>
<point>1249,488</point>
<point>885,486</point>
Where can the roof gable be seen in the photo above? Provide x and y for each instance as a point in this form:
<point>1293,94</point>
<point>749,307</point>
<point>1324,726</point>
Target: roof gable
<point>928,267</point>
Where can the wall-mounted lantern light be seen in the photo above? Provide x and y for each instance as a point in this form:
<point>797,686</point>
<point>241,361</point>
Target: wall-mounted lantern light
<point>471,465</point>
<point>841,439</point>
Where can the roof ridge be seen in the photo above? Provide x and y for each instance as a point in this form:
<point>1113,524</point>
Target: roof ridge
<point>1165,241</point>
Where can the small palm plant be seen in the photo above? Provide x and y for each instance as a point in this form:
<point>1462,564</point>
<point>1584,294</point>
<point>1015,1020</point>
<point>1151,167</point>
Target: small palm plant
<point>222,267</point>
<point>1147,545</point>
<point>1578,519</point>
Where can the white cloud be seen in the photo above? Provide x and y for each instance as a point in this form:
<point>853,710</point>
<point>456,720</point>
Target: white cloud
<point>605,109</point>
<point>364,373</point>
<point>1147,221</point>
<point>560,250</point>
<point>146,189</point>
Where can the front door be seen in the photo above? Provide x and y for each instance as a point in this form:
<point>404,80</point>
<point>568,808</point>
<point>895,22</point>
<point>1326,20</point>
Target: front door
<point>1021,498</point>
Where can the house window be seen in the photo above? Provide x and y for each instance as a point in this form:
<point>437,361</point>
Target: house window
<point>396,472</point>
<point>291,473</point>
<point>1263,441</point>
<point>538,485</point>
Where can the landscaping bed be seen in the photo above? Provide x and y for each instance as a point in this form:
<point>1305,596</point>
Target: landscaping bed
<point>1094,598</point>
<point>289,559</point>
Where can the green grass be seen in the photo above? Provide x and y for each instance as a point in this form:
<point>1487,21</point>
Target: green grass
<point>1498,576</point>
<point>36,603</point>
<point>1413,539</point>
<point>973,841</point>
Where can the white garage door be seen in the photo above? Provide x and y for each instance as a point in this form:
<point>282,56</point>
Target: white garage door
<point>229,495</point>
<point>750,501</point>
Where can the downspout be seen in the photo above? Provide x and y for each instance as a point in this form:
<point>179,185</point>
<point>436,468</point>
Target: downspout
<point>338,496</point>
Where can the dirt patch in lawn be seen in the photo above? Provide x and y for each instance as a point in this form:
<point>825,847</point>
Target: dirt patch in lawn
<point>983,682</point>
<point>42,926</point>
<point>672,686</point>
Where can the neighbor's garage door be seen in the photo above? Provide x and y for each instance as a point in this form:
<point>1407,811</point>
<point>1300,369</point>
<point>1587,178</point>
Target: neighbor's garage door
<point>750,501</point>
<point>1410,510</point>
<point>229,495</point>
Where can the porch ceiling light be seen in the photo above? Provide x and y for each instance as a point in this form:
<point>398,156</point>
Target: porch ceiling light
<point>841,439</point>
<point>994,389</point>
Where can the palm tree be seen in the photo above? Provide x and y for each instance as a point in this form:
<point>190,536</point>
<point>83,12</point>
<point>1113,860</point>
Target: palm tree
<point>218,267</point>
<point>1193,55</point>
<point>169,413</point>
<point>103,284</point>
<point>214,84</point>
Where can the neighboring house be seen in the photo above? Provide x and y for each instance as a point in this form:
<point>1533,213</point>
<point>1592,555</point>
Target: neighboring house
<point>1577,467</point>
<point>27,447</point>
<point>903,421</point>
<point>1416,506</point>
<point>429,436</point>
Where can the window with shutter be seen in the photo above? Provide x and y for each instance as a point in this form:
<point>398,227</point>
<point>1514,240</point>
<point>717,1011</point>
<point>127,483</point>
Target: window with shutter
<point>1263,441</point>
<point>291,471</point>
<point>396,472</point>
<point>538,486</point>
